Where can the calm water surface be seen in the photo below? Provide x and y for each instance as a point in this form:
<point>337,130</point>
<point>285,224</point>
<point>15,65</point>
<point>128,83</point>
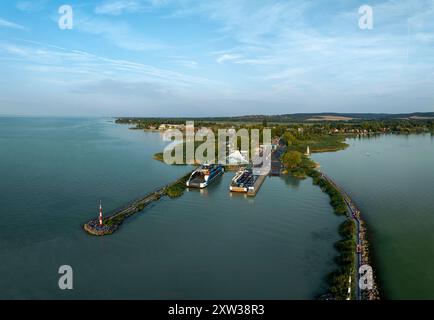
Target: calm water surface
<point>391,178</point>
<point>203,245</point>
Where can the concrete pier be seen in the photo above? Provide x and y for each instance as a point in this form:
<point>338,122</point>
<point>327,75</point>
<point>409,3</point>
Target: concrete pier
<point>256,186</point>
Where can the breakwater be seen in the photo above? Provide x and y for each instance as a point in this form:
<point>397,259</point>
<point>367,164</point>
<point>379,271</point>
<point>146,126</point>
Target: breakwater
<point>362,252</point>
<point>112,222</point>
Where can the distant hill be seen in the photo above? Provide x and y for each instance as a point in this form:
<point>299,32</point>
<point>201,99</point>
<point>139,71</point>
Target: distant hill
<point>302,117</point>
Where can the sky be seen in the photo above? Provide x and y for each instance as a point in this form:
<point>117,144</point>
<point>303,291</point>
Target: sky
<point>215,57</point>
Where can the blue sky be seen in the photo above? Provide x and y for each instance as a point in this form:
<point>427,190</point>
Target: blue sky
<point>209,57</point>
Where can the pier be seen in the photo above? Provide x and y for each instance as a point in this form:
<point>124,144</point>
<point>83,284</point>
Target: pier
<point>112,222</point>
<point>274,170</point>
<point>257,185</point>
<point>362,245</point>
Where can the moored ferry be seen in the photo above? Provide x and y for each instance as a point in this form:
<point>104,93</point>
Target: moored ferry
<point>243,181</point>
<point>205,175</point>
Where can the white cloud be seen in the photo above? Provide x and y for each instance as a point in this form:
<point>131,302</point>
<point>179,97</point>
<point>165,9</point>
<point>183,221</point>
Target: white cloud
<point>77,66</point>
<point>301,52</point>
<point>120,34</point>
<point>228,57</point>
<point>188,63</point>
<point>31,6</point>
<point>95,84</point>
<point>7,24</point>
<point>13,50</point>
<point>118,7</point>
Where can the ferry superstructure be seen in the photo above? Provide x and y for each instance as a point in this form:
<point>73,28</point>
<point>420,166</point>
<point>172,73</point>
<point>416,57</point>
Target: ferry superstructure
<point>243,181</point>
<point>205,175</point>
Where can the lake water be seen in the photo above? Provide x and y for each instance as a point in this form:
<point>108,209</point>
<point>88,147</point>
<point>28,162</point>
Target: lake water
<point>391,178</point>
<point>204,245</point>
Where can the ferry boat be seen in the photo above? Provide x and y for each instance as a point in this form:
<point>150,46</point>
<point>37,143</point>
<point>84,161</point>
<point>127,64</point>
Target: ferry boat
<point>243,181</point>
<point>203,176</point>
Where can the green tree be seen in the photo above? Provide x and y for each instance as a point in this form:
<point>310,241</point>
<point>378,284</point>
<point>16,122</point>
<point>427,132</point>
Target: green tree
<point>292,159</point>
<point>289,138</point>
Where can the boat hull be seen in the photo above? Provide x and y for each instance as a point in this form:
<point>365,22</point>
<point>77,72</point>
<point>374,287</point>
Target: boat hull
<point>243,181</point>
<point>201,184</point>
<point>238,189</point>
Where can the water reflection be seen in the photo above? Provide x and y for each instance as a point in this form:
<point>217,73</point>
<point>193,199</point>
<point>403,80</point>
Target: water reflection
<point>291,181</point>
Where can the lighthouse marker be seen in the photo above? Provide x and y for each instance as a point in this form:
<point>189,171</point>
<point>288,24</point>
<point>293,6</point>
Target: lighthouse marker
<point>100,214</point>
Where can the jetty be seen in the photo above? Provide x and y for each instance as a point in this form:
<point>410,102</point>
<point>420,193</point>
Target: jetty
<point>260,176</point>
<point>362,245</point>
<point>112,222</point>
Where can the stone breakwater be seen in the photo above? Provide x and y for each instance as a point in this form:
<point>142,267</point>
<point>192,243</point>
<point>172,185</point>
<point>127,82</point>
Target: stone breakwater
<point>93,227</point>
<point>112,223</point>
<point>363,256</point>
<point>366,259</point>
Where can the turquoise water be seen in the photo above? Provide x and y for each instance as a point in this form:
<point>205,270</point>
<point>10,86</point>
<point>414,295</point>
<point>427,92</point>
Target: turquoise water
<point>204,245</point>
<point>391,178</point>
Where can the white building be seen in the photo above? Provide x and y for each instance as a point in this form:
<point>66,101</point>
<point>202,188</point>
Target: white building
<point>236,158</point>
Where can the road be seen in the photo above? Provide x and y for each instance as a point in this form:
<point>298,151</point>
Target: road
<point>354,214</point>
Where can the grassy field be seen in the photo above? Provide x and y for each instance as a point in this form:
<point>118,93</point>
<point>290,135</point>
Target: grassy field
<point>321,143</point>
